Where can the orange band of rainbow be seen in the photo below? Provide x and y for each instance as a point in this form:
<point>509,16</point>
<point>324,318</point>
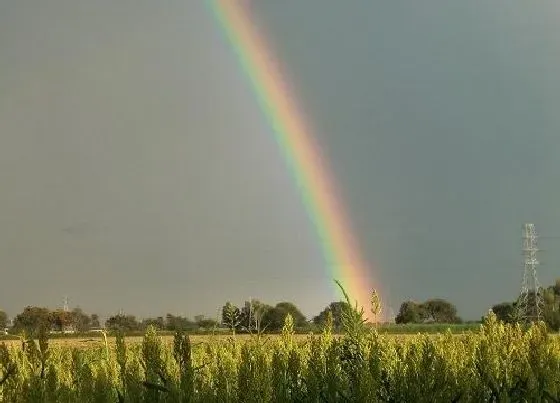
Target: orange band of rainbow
<point>293,135</point>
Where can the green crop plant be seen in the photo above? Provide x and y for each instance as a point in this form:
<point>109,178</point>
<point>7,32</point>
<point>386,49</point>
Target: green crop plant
<point>495,362</point>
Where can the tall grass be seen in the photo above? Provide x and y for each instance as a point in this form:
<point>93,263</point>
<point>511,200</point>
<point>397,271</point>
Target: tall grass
<point>497,362</point>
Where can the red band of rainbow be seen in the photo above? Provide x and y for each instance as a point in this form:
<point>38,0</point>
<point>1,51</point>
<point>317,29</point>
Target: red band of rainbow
<point>302,155</point>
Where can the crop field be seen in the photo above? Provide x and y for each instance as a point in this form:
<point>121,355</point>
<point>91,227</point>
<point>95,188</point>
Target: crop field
<point>166,340</point>
<point>86,342</point>
<point>496,363</point>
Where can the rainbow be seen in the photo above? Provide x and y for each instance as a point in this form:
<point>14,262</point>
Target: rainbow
<point>293,135</point>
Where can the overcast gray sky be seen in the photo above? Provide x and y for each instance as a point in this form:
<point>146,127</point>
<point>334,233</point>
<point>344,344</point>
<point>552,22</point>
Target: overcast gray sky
<point>137,172</point>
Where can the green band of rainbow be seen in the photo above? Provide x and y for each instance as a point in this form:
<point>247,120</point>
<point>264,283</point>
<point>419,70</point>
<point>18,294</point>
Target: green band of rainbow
<point>297,144</point>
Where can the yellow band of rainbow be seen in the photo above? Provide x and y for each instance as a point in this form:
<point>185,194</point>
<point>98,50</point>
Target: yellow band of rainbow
<point>302,155</point>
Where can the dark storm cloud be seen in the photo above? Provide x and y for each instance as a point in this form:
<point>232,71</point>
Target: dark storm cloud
<point>137,172</point>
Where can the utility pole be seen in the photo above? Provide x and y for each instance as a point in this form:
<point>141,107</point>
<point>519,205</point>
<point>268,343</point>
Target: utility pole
<point>530,300</point>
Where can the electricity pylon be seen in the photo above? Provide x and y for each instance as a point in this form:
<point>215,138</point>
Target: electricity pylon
<point>530,302</point>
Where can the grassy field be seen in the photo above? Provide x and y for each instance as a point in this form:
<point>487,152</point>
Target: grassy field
<point>496,362</point>
<point>96,339</point>
<point>87,342</point>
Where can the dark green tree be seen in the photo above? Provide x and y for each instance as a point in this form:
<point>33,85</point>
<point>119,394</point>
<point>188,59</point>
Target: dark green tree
<point>274,317</point>
<point>231,316</point>
<point>207,323</point>
<point>94,321</point>
<point>440,311</point>
<point>32,319</point>
<point>252,315</point>
<point>3,320</point>
<point>556,287</point>
<point>551,308</point>
<point>336,309</point>
<point>506,312</point>
<point>175,323</point>
<point>80,320</point>
<point>411,312</point>
<point>125,323</point>
<point>158,323</point>
<point>61,320</point>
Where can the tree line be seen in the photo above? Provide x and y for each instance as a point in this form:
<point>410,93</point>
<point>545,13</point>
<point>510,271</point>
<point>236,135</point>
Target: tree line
<point>549,310</point>
<point>253,316</point>
<point>34,318</point>
<point>431,311</point>
<point>257,316</point>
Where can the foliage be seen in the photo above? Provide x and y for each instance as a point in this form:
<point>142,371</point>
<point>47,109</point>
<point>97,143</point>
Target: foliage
<point>207,323</point>
<point>122,322</point>
<point>498,362</point>
<point>253,314</point>
<point>509,311</point>
<point>335,309</point>
<point>60,320</point>
<point>275,317</point>
<point>175,323</point>
<point>231,317</point>
<point>410,312</point>
<point>551,309</point>
<point>506,312</point>
<point>440,311</point>
<point>433,310</point>
<point>94,322</point>
<point>3,320</point>
<point>158,323</point>
<point>33,318</point>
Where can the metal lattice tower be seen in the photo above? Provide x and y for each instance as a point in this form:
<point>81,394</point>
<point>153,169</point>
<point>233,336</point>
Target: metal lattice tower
<point>530,300</point>
<point>65,306</point>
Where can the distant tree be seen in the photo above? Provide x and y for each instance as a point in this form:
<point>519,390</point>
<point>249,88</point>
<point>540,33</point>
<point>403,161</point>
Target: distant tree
<point>440,311</point>
<point>170,323</point>
<point>80,320</point>
<point>552,317</point>
<point>158,323</point>
<point>231,316</point>
<point>274,317</point>
<point>252,315</point>
<point>94,321</point>
<point>433,310</point>
<point>506,312</point>
<point>124,323</point>
<point>175,323</point>
<point>207,323</point>
<point>247,316</point>
<point>556,287</point>
<point>336,309</point>
<point>32,319</point>
<point>551,308</point>
<point>61,320</point>
<point>411,312</point>
<point>3,320</point>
